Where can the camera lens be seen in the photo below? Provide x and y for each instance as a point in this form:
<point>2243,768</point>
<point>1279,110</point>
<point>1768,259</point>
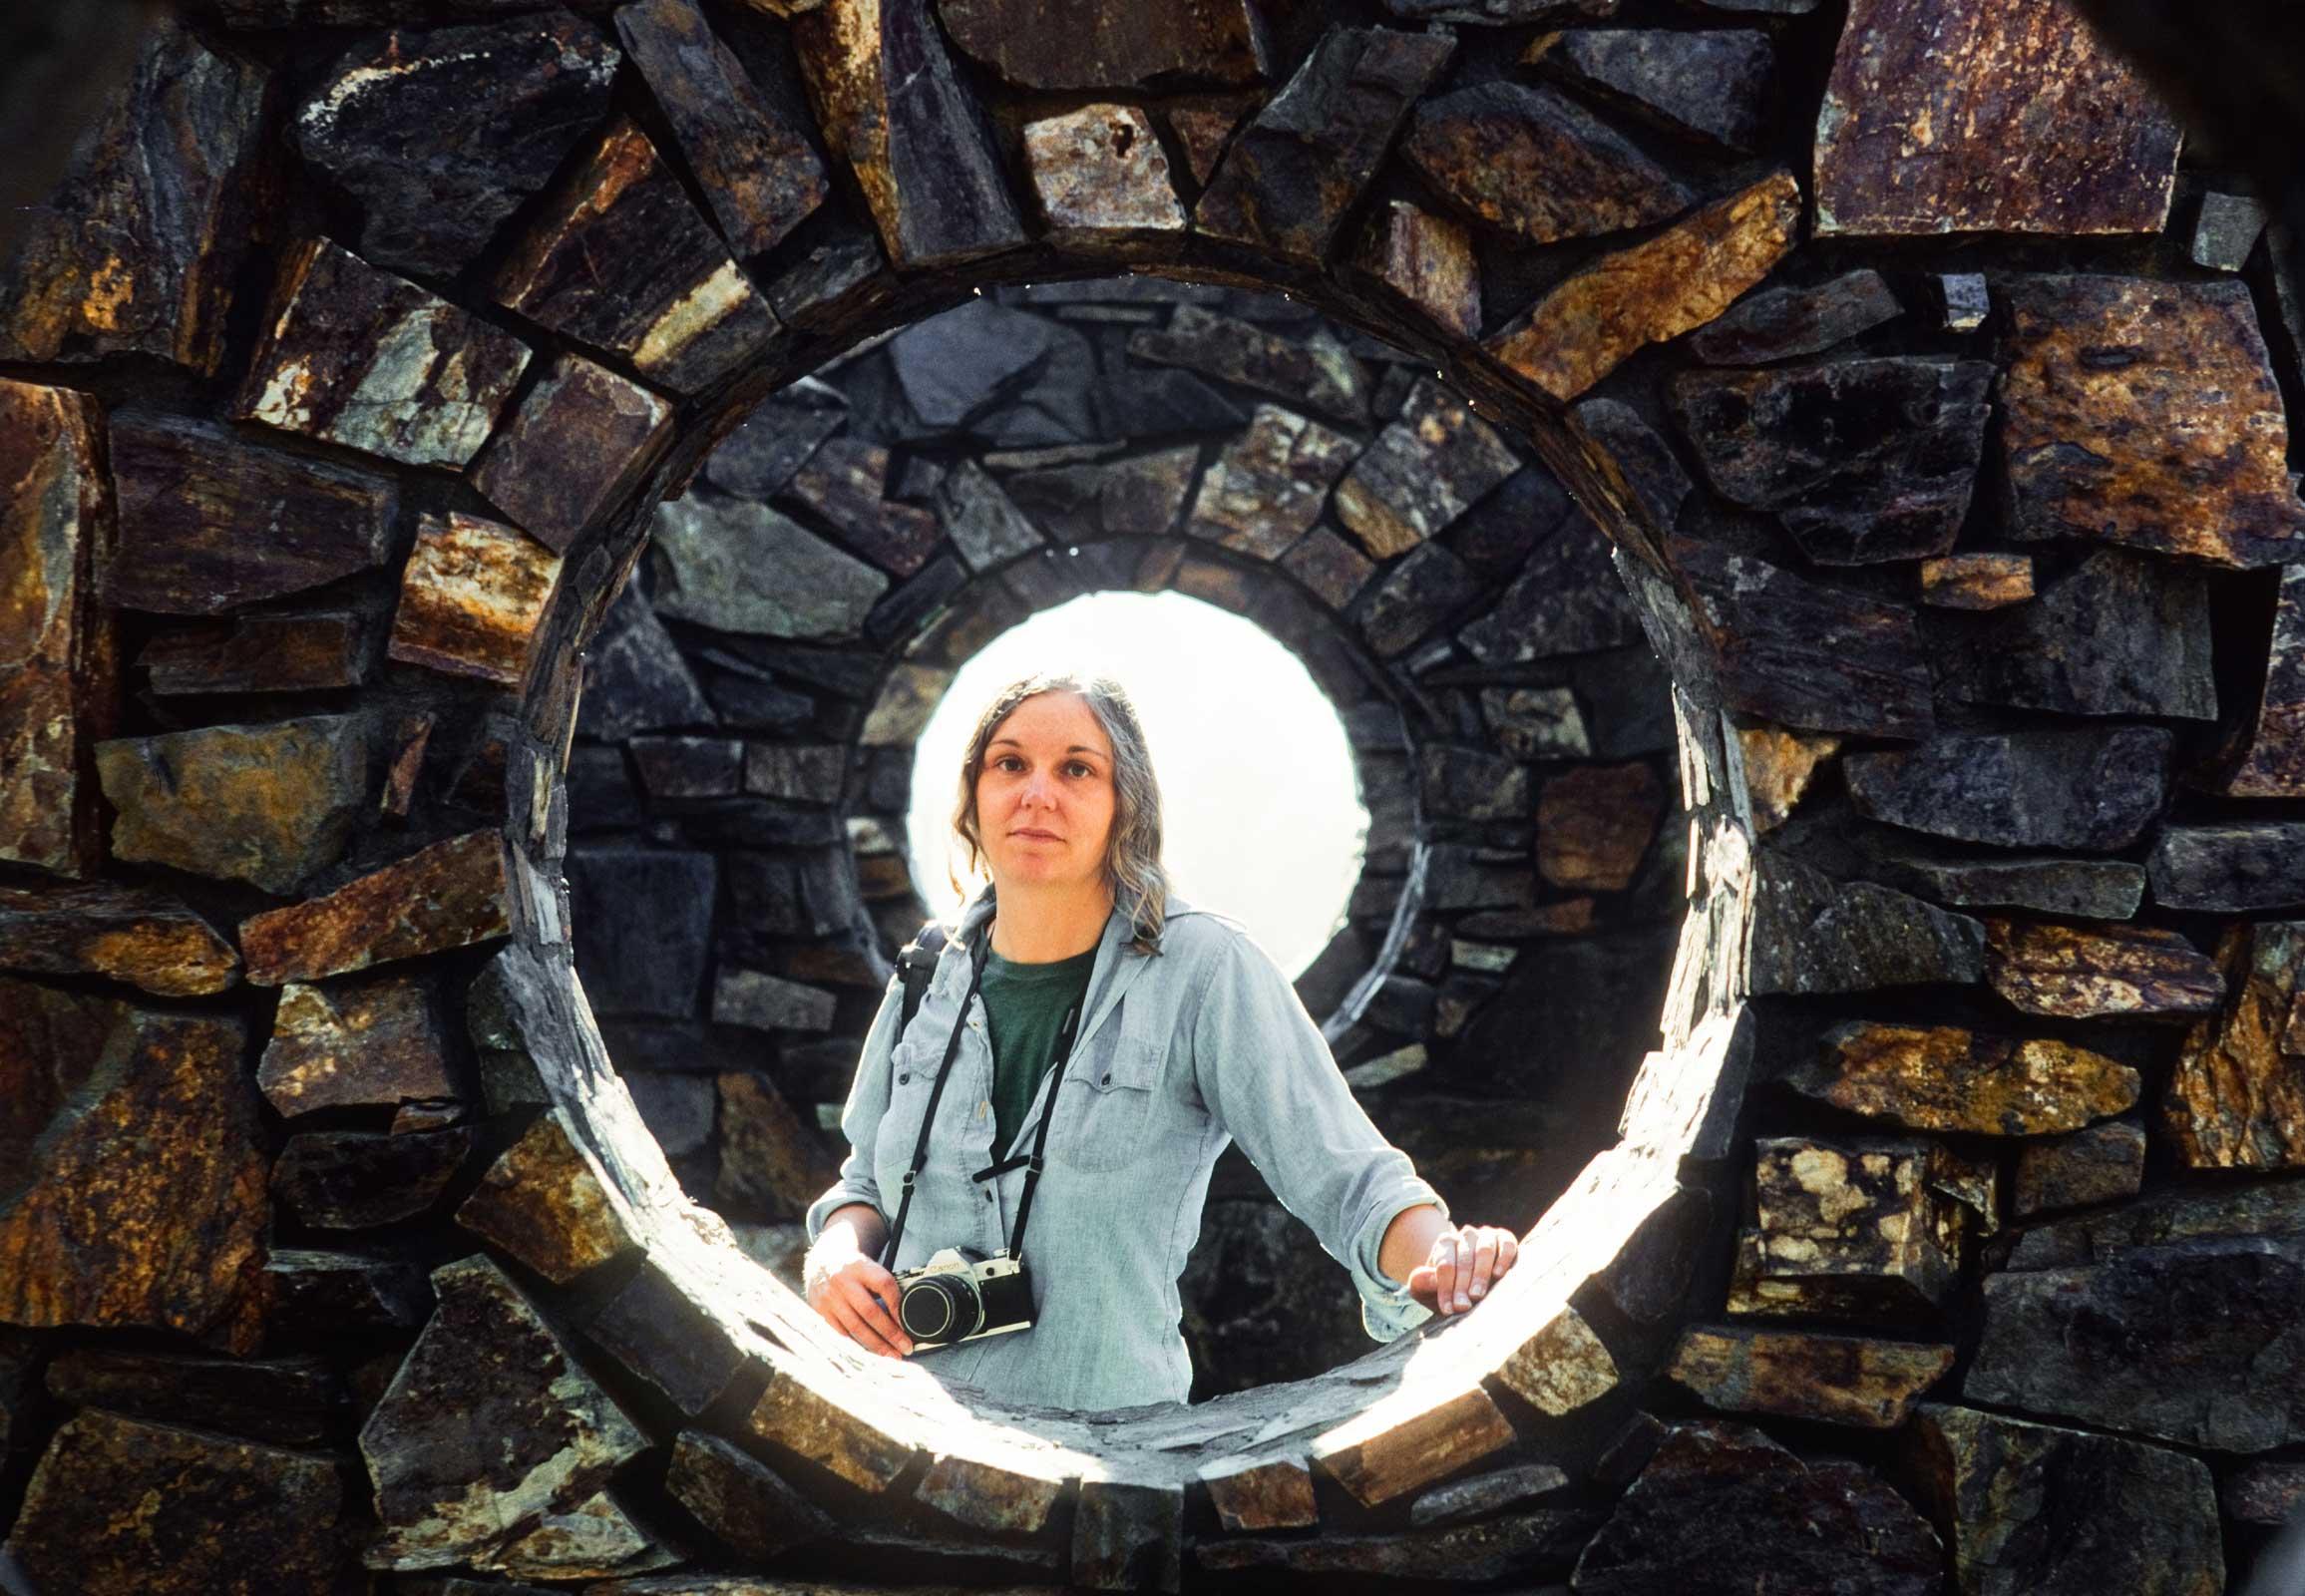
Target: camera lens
<point>941,1308</point>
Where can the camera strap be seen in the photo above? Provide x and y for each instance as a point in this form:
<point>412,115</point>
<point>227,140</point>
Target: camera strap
<point>936,1092</point>
<point>1033,1160</point>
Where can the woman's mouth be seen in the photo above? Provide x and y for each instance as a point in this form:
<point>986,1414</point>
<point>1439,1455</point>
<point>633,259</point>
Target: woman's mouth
<point>1035,836</point>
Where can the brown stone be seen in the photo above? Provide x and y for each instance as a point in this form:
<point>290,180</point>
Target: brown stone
<point>846,481</point>
<point>1536,164</point>
<point>1594,823</point>
<point>759,172</point>
<point>1944,1077</point>
<point>370,1043</point>
<point>1425,470</point>
<point>1267,489</point>
<point>138,251</point>
<point>2074,973</point>
<point>1127,1536</point>
<point>2238,1100</point>
<point>1976,581</point>
<point>1585,327</point>
<point>209,522</point>
<point>291,1400</point>
<point>268,805</point>
<point>1077,44</point>
<point>134,1189</point>
<point>740,1499</point>
<point>802,1421</point>
<point>1426,259</point>
<point>1836,1380</point>
<point>1988,115</point>
<point>1780,768</point>
<point>891,103</point>
<point>1383,1453</point>
<point>261,654</point>
<point>449,895</point>
<point>121,1507</point>
<point>1101,177</point>
<point>2268,1494</point>
<point>1780,323</point>
<point>545,1202</point>
<point>1562,1367</point>
<point>404,762</point>
<point>358,1179</point>
<point>145,938</point>
<point>1855,1210</point>
<point>2101,1164</point>
<point>1258,1493</point>
<point>360,357</point>
<point>1204,130</point>
<point>1015,1495</point>
<point>577,445</point>
<point>1754,1294</point>
<point>1330,566</point>
<point>57,661</point>
<point>770,1163</point>
<point>2144,413</point>
<point>471,597</point>
<point>2265,757</point>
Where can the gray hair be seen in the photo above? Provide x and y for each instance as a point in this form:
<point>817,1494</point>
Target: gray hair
<point>1132,851</point>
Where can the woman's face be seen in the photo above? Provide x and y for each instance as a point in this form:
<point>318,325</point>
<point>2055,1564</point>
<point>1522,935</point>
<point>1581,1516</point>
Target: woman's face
<point>1045,799</point>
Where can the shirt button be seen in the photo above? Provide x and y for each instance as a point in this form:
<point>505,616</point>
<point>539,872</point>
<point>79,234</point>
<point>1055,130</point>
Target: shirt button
<point>988,1196</point>
<point>904,1078</point>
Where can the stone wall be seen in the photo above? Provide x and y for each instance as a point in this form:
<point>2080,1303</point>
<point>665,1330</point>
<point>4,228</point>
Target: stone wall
<point>1951,1238</point>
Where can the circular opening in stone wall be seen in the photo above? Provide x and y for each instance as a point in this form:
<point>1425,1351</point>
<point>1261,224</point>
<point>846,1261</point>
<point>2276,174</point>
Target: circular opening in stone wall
<point>1262,817</point>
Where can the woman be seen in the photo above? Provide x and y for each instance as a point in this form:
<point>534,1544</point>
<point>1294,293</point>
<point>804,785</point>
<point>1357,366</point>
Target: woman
<point>1177,1036</point>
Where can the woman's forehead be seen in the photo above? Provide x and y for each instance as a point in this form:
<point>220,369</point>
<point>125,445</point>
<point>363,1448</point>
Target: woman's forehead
<point>1060,718</point>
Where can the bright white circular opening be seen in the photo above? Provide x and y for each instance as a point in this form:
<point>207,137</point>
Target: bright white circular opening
<point>1261,813</point>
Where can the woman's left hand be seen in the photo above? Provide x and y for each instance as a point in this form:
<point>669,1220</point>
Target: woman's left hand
<point>1461,1267</point>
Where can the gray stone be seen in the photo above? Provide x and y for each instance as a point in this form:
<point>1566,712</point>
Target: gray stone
<point>2099,1164</point>
<point>760,456</point>
<point>1414,598</point>
<point>983,521</point>
<point>1647,460</point>
<point>1470,785</point>
<point>2087,889</point>
<point>769,1003</point>
<point>2086,789</point>
<point>1780,323</point>
<point>1496,534</point>
<point>1314,373</point>
<point>1536,722</point>
<point>2269,1494</point>
<point>641,920</point>
<point>953,366</point>
<point>635,678</point>
<point>1567,600</point>
<point>2235,868</point>
<point>1330,566</point>
<point>1116,47</point>
<point>1268,486</point>
<point>1423,470</point>
<point>1811,933</point>
<point>2118,634</point>
<point>2217,1213</point>
<point>358,1180</point>
<point>1483,1495</point>
<point>1712,85</point>
<point>1966,298</point>
<point>674,769</point>
<point>1157,404</point>
<point>676,1108</point>
<point>2226,231</point>
<point>753,1511</point>
<point>745,567</point>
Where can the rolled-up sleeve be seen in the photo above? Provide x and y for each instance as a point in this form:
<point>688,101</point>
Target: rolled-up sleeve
<point>861,1116</point>
<point>1267,1074</point>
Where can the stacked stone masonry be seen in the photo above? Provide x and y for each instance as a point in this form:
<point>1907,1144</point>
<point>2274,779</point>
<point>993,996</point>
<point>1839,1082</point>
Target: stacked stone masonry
<point>1944,1231</point>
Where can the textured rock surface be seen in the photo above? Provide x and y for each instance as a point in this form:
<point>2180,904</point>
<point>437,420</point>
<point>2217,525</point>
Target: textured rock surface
<point>2082,972</point>
<point>263,654</point>
<point>2244,866</point>
<point>471,597</point>
<point>2268,752</point>
<point>1538,165</point>
<point>1099,175</point>
<point>2238,1100</point>
<point>1527,1544</point>
<point>1429,260</point>
<point>1780,323</point>
<point>357,356</point>
<point>2101,1164</point>
<point>2118,635</point>
<point>358,1180</point>
<point>1567,600</point>
<point>1316,373</point>
<point>356,1043</point>
<point>576,444</point>
<point>1594,823</point>
<point>1712,85</point>
<point>741,1500</point>
<point>1977,582</point>
<point>1861,1211</point>
<point>2088,888</point>
<point>544,1202</point>
<point>445,895</point>
<point>1942,1077</point>
<point>1839,1379</point>
<point>1811,933</point>
<point>2088,789</point>
<point>1266,490</point>
<point>1064,44</point>
<point>2126,1517</point>
<point>2035,125</point>
<point>745,567</point>
<point>2145,414</point>
<point>1425,470</point>
<point>651,910</point>
<point>145,938</point>
<point>440,134</point>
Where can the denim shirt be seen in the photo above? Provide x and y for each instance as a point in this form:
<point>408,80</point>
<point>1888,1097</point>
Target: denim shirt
<point>1177,1055</point>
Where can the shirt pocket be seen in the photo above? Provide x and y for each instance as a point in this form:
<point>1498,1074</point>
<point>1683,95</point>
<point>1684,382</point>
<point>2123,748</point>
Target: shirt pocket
<point>1111,1100</point>
<point>912,1075</point>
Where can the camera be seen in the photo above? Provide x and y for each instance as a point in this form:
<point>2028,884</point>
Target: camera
<point>959,1296</point>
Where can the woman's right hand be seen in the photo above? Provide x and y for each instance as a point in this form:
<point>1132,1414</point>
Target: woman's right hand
<point>856,1296</point>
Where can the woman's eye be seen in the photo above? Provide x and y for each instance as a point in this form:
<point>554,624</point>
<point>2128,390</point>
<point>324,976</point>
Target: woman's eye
<point>1077,768</point>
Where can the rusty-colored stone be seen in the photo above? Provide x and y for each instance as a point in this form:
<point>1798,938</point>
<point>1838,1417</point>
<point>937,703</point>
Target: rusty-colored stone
<point>1258,1493</point>
<point>135,1195</point>
<point>1536,164</point>
<point>1383,1454</point>
<point>1779,766</point>
<point>1991,116</point>
<point>544,1203</point>
<point>472,596</point>
<point>1015,1495</point>
<point>261,654</point>
<point>1855,1210</point>
<point>360,357</point>
<point>1204,130</point>
<point>2266,751</point>
<point>770,1163</point>
<point>145,938</point>
<point>358,1044</point>
<point>1594,823</point>
<point>1945,1078</point>
<point>57,661</point>
<point>405,748</point>
<point>1560,1369</point>
<point>1101,177</point>
<point>1754,1294</point>
<point>2144,413</point>
<point>577,445</point>
<point>1431,465</point>
<point>361,1179</point>
<point>2238,1100</point>
<point>1683,277</point>
<point>1976,581</point>
<point>2078,973</point>
<point>799,1418</point>
<point>1785,1374</point>
<point>449,895</point>
<point>1427,260</point>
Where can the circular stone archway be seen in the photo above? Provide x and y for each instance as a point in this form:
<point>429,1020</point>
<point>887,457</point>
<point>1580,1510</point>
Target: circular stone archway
<point>463,414</point>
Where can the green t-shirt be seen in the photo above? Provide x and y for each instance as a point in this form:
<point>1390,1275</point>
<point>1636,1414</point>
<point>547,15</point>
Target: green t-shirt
<point>1025,1009</point>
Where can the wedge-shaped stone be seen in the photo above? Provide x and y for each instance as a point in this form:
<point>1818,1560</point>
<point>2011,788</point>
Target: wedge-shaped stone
<point>840,1436</point>
<point>2231,869</point>
<point>1530,1544</point>
<point>120,1505</point>
<point>1386,1453</point>
<point>890,105</point>
<point>1314,373</point>
<point>472,596</point>
<point>1289,177</point>
<point>209,522</point>
<point>846,484</point>
<point>138,250</point>
<point>1425,469</point>
<point>261,654</point>
<point>1013,1494</point>
<point>664,1329</point>
<point>2088,789</point>
<point>546,1203</point>
<point>373,1044</point>
<point>1594,823</point>
<point>1946,1078</point>
<point>742,1499</point>
<point>360,1179</point>
<point>2103,1164</point>
<point>1589,324</point>
<point>2238,1100</point>
<point>1480,1495</point>
<point>1415,596</point>
<point>357,356</point>
<point>744,567</point>
<point>449,895</point>
<point>1267,489</point>
<point>1567,600</point>
<point>2009,94</point>
<point>1537,165</point>
<point>619,260</point>
<point>2128,1518</point>
<point>1127,1536</point>
<point>2093,971</point>
<point>1861,460</point>
<point>2083,888</point>
<point>635,678</point>
<point>1722,1507</point>
<point>2144,413</point>
<point>1784,1373</point>
<point>1811,933</point>
<point>1780,323</point>
<point>760,173</point>
<point>1860,1210</point>
<point>1258,1493</point>
<point>1560,1369</point>
<point>57,661</point>
<point>1977,582</point>
<point>1429,260</point>
<point>1780,768</point>
<point>2118,635</point>
<point>1712,85</point>
<point>440,134</point>
<point>577,443</point>
<point>1066,44</point>
<point>490,1357</point>
<point>145,938</point>
<point>1101,177</point>
<point>131,1192</point>
<point>2223,1212</point>
<point>598,1539</point>
<point>2266,755</point>
<point>268,805</point>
